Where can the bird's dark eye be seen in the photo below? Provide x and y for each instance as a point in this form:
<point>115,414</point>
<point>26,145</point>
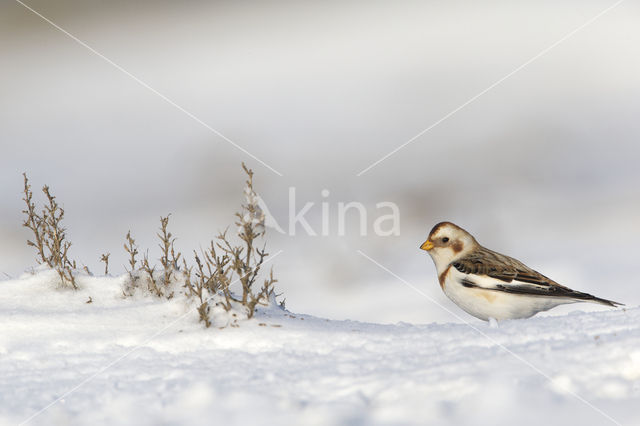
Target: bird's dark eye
<point>445,240</point>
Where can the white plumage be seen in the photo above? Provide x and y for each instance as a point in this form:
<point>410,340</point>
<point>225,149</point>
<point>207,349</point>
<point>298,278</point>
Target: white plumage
<point>486,302</point>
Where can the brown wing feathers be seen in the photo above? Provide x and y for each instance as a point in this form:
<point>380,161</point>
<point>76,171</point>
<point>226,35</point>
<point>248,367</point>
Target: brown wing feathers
<point>501,267</point>
<point>508,269</point>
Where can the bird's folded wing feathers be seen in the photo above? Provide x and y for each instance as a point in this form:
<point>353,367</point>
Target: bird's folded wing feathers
<point>494,271</point>
<point>499,272</point>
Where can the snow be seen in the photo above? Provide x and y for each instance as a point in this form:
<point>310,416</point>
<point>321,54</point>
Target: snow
<point>146,361</point>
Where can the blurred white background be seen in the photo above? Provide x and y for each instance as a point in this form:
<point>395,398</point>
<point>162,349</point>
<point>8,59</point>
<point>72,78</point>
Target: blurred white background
<point>543,167</point>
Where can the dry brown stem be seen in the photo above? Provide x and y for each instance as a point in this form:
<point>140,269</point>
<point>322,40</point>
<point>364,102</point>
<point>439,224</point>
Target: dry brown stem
<point>49,235</point>
<point>105,258</point>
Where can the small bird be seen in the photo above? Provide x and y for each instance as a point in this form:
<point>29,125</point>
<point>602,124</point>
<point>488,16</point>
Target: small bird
<point>490,285</point>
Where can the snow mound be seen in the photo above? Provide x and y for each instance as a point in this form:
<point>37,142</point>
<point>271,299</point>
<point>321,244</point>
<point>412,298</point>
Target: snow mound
<point>145,361</point>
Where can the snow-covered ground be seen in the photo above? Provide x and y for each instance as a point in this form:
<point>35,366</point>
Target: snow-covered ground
<point>143,361</point>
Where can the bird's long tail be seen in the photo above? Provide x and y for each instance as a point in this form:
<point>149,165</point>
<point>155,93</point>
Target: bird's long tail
<point>586,297</point>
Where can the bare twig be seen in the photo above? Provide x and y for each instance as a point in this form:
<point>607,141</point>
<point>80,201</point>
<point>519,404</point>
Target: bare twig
<point>131,248</point>
<point>169,258</point>
<point>34,222</point>
<point>152,283</point>
<point>105,258</point>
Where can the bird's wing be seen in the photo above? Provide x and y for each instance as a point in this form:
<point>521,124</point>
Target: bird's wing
<point>502,268</point>
<point>494,271</point>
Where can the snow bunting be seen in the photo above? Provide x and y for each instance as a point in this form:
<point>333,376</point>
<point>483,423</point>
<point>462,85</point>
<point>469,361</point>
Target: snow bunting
<point>487,284</point>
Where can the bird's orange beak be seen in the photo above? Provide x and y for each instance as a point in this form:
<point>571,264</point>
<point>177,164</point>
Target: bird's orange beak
<point>427,245</point>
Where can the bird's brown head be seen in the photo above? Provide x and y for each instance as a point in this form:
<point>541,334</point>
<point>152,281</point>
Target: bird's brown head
<point>448,241</point>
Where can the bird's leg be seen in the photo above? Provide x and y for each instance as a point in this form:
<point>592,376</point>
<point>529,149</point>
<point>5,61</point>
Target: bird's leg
<point>493,323</point>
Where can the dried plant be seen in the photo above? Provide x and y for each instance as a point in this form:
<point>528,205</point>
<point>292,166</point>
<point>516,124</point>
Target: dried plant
<point>131,248</point>
<point>247,262</point>
<point>105,258</point>
<point>224,261</point>
<point>169,264</point>
<point>160,286</point>
<point>221,273</point>
<point>225,275</point>
<point>49,235</point>
<point>204,286</point>
<point>152,284</point>
<point>200,289</point>
<point>34,222</point>
<point>216,270</point>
